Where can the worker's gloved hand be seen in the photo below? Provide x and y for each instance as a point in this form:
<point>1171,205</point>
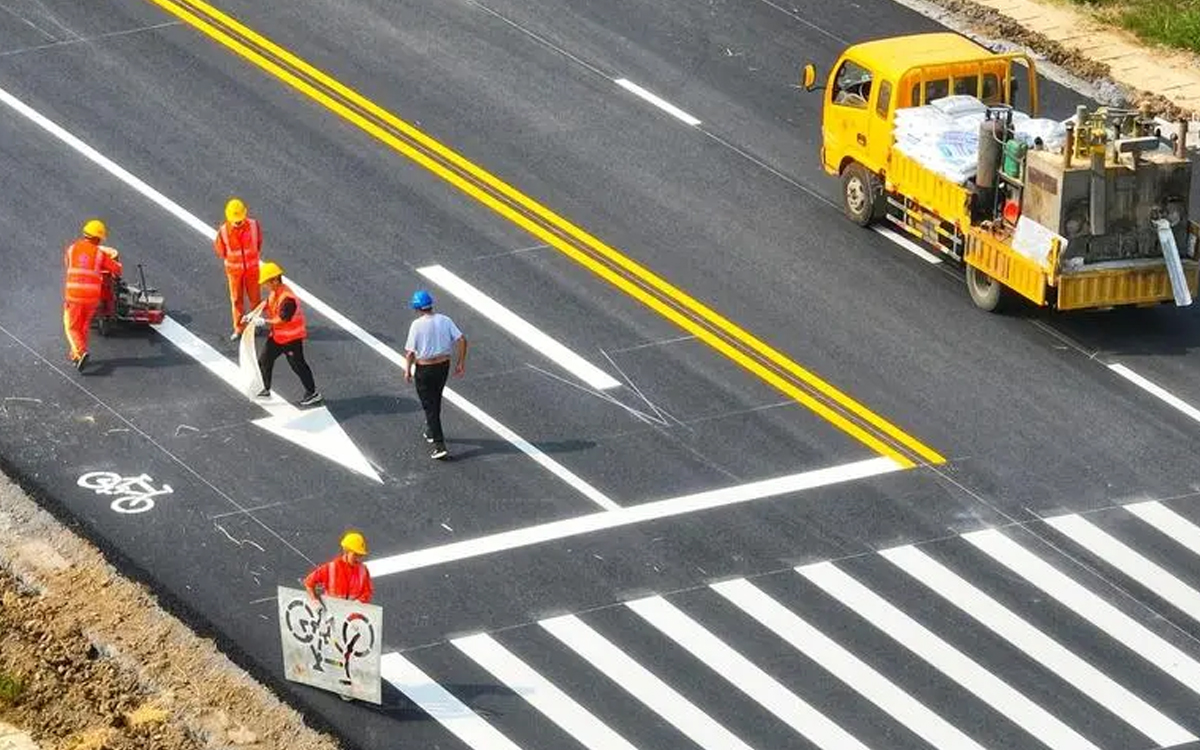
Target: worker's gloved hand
<point>260,322</point>
<point>247,318</point>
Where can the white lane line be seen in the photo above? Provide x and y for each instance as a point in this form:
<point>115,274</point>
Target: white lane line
<point>1038,646</point>
<point>311,300</point>
<point>642,684</point>
<point>397,359</point>
<point>1120,626</point>
<point>946,658</point>
<point>651,511</point>
<point>907,244</point>
<point>1133,564</point>
<point>657,101</point>
<point>1156,390</point>
<point>436,701</point>
<point>844,665</point>
<point>520,328</point>
<point>744,674</point>
<point>1168,522</point>
<point>556,705</point>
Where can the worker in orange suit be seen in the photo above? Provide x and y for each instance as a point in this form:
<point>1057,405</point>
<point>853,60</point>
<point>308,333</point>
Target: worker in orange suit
<point>86,261</point>
<point>345,576</point>
<point>239,244</point>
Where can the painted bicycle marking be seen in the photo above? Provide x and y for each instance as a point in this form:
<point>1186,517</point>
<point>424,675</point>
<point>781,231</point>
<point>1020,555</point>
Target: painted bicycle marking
<point>136,494</point>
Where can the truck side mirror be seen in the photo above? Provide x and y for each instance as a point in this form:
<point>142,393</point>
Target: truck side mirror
<point>809,79</point>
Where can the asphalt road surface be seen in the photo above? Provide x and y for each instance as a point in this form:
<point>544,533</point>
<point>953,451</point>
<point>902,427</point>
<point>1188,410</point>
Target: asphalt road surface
<point>740,474</point>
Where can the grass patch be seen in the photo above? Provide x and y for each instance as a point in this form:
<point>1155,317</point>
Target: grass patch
<point>10,688</point>
<point>1174,24</point>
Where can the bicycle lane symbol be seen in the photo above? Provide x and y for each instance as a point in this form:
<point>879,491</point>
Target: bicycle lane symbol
<point>316,628</point>
<point>331,644</point>
<point>134,494</point>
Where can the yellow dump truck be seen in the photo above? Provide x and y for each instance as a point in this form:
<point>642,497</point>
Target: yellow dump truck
<point>1100,221</point>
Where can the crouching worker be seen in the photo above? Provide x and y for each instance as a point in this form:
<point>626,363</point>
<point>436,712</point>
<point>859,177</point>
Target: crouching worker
<point>286,318</point>
<point>86,262</point>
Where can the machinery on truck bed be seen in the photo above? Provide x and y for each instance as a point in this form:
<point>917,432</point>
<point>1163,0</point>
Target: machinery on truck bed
<point>1103,223</point>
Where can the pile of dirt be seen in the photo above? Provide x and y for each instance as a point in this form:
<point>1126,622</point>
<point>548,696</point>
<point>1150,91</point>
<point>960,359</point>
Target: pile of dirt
<point>989,22</point>
<point>89,661</point>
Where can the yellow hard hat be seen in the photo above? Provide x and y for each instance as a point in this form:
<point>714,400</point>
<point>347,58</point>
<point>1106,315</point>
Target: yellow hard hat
<point>235,210</point>
<point>268,270</point>
<point>95,228</point>
<point>354,542</point>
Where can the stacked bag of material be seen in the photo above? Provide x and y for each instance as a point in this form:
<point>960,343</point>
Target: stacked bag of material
<point>943,136</point>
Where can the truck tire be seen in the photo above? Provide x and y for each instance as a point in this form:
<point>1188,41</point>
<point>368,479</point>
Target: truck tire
<point>987,293</point>
<point>862,198</point>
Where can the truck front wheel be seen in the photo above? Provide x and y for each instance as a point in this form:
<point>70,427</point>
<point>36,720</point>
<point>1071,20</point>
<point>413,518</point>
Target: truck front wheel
<point>861,196</point>
<point>987,293</point>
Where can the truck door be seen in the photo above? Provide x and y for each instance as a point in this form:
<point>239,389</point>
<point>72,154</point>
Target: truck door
<point>847,127</point>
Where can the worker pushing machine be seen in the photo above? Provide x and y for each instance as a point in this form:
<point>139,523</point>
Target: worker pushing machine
<point>86,262</point>
<point>288,331</point>
<point>239,244</point>
<point>345,576</point>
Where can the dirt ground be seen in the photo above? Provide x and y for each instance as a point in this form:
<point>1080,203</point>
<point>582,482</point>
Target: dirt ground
<point>89,661</point>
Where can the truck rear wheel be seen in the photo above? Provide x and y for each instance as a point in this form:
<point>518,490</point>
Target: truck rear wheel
<point>987,293</point>
<point>861,196</point>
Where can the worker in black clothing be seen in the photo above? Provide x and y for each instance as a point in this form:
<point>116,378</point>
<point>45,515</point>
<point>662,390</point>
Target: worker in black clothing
<point>286,318</point>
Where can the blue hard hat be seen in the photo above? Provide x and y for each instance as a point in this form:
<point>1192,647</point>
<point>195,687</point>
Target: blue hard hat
<point>422,300</point>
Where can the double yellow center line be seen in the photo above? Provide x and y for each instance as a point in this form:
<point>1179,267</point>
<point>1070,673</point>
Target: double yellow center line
<point>614,267</point>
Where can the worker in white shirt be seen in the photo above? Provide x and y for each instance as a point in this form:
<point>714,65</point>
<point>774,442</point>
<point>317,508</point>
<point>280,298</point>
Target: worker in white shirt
<point>432,338</point>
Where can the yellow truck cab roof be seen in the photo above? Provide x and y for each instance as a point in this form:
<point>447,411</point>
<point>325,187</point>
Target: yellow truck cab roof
<point>894,56</point>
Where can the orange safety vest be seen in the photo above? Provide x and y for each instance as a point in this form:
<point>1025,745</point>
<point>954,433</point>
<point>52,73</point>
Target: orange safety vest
<point>342,580</point>
<point>285,331</point>
<point>228,244</point>
<point>84,261</point>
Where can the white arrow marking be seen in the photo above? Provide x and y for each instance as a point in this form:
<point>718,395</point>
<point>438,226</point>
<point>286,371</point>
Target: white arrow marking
<point>314,429</point>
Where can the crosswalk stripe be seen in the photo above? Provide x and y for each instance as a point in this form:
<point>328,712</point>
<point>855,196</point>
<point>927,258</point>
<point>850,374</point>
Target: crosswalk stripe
<point>744,674</point>
<point>1168,522</point>
<point>436,701</point>
<point>950,661</point>
<point>642,684</point>
<point>1131,563</point>
<point>1039,646</point>
<point>556,705</point>
<point>1088,605</point>
<point>844,665</point>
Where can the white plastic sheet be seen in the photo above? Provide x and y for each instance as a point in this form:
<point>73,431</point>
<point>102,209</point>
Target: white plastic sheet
<point>250,377</point>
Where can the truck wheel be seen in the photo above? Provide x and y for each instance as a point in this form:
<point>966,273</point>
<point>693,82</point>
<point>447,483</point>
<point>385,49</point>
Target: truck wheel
<point>987,293</point>
<point>861,196</point>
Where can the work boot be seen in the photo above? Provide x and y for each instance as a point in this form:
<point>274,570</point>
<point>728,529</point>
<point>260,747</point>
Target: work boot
<point>311,399</point>
<point>428,438</point>
<point>79,363</point>
<point>264,393</point>
<point>439,452</point>
<point>235,335</point>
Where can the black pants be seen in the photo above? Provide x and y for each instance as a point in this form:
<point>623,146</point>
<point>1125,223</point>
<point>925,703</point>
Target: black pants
<point>430,381</point>
<point>295,357</point>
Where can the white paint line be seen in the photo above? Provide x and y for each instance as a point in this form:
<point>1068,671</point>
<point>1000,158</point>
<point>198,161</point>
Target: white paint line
<point>907,244</point>
<point>651,511</point>
<point>520,328</point>
<point>1156,390</point>
<point>1168,522</point>
<point>556,705</point>
<point>397,359</point>
<point>311,300</point>
<point>946,658</point>
<point>844,665</point>
<point>744,675</point>
<point>642,684</point>
<point>436,701</point>
<point>1133,564</point>
<point>315,430</point>
<point>657,101</point>
<point>1038,646</point>
<point>1138,638</point>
